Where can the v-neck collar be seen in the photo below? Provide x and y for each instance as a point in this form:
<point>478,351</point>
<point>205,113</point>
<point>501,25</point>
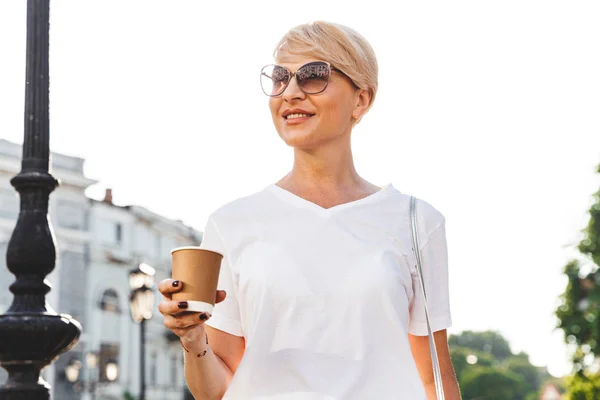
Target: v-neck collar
<point>307,204</point>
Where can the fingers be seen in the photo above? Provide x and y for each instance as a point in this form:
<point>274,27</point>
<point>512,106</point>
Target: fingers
<point>169,307</point>
<point>221,294</point>
<point>183,321</point>
<point>168,286</point>
<point>176,319</point>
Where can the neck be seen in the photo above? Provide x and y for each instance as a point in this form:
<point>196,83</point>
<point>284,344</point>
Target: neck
<point>328,166</point>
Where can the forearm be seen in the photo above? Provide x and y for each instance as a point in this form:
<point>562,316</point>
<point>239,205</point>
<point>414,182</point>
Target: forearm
<point>206,375</point>
<point>451,389</point>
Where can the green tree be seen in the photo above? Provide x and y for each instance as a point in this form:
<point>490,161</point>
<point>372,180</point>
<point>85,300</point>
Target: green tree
<point>488,342</point>
<point>477,356</point>
<point>491,383</point>
<point>579,311</point>
<point>459,356</point>
<point>521,366</point>
<point>584,387</point>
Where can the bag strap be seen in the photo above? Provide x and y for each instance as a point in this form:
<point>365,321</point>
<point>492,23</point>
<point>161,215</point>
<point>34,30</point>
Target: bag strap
<point>437,375</point>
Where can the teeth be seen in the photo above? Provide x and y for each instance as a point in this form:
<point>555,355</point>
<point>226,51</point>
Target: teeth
<point>297,116</point>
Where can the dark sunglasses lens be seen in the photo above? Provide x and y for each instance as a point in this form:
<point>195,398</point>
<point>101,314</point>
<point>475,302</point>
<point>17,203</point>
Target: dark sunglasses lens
<point>313,77</point>
<point>274,79</point>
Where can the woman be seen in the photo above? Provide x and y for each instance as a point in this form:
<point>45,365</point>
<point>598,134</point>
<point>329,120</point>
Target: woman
<point>320,297</point>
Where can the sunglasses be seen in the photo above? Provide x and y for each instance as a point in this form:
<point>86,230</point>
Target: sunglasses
<point>312,78</point>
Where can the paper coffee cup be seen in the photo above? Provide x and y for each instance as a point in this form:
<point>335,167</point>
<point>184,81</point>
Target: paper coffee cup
<point>198,270</point>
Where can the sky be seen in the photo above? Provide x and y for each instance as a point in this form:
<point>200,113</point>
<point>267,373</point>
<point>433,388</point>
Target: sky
<point>487,110</point>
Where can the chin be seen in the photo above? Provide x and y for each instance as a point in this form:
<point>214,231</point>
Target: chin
<point>303,141</point>
<point>299,142</point>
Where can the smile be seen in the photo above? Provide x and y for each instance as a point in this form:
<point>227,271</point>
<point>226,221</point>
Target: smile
<point>294,116</point>
<point>294,119</point>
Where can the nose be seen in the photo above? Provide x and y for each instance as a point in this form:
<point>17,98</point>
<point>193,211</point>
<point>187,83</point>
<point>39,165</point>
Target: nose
<point>292,91</point>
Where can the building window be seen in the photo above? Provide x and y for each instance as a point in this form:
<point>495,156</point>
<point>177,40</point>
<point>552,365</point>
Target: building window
<point>110,301</point>
<point>110,232</point>
<point>109,354</point>
<point>153,370</point>
<point>118,233</point>
<point>174,370</point>
<point>71,273</point>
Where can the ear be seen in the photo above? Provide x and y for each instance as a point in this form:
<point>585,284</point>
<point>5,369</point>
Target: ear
<point>363,101</point>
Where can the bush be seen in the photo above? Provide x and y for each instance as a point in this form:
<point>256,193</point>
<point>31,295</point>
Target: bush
<point>492,384</point>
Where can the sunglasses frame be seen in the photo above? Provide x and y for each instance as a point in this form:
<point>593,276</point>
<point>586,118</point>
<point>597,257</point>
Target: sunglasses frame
<point>293,75</point>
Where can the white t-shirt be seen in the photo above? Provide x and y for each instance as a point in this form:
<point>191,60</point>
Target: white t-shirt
<point>325,298</point>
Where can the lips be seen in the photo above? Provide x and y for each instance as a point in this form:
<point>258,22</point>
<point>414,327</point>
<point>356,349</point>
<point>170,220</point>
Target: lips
<point>294,116</point>
<point>296,113</point>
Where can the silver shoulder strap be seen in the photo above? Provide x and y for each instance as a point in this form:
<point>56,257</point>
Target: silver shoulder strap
<point>437,375</point>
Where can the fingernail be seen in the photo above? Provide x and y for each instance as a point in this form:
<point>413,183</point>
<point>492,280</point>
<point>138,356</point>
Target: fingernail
<point>175,283</point>
<point>203,317</point>
<point>182,304</point>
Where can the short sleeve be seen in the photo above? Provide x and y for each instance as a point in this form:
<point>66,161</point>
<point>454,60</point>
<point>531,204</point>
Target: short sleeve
<point>226,314</point>
<point>434,259</point>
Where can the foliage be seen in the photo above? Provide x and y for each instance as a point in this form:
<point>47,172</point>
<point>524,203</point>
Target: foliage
<point>492,384</point>
<point>459,356</point>
<point>523,368</point>
<point>584,387</point>
<point>128,396</point>
<point>533,396</point>
<point>487,342</point>
<point>495,373</point>
<point>579,311</point>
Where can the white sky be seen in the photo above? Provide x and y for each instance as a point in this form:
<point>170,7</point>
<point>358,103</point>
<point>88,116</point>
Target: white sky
<point>487,110</point>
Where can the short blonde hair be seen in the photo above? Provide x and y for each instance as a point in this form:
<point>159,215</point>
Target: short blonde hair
<point>340,45</point>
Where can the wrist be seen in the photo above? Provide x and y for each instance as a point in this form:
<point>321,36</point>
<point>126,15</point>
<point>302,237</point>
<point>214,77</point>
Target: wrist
<point>197,348</point>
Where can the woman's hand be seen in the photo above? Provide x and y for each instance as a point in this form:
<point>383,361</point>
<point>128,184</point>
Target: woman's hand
<point>189,326</point>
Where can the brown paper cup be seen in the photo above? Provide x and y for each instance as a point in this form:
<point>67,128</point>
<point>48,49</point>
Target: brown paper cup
<point>198,269</point>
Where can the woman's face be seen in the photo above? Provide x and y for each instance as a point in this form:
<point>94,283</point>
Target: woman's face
<point>324,117</point>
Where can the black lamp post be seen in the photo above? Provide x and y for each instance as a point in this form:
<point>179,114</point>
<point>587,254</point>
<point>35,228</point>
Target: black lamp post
<point>32,335</point>
<point>141,300</point>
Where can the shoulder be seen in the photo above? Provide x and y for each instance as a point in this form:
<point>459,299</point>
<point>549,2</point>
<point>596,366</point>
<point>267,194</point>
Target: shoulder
<point>241,209</point>
<point>429,217</point>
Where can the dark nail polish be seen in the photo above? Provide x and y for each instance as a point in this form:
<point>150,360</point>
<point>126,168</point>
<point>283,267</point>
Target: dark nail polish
<point>182,304</point>
<point>203,317</point>
<point>175,283</point>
